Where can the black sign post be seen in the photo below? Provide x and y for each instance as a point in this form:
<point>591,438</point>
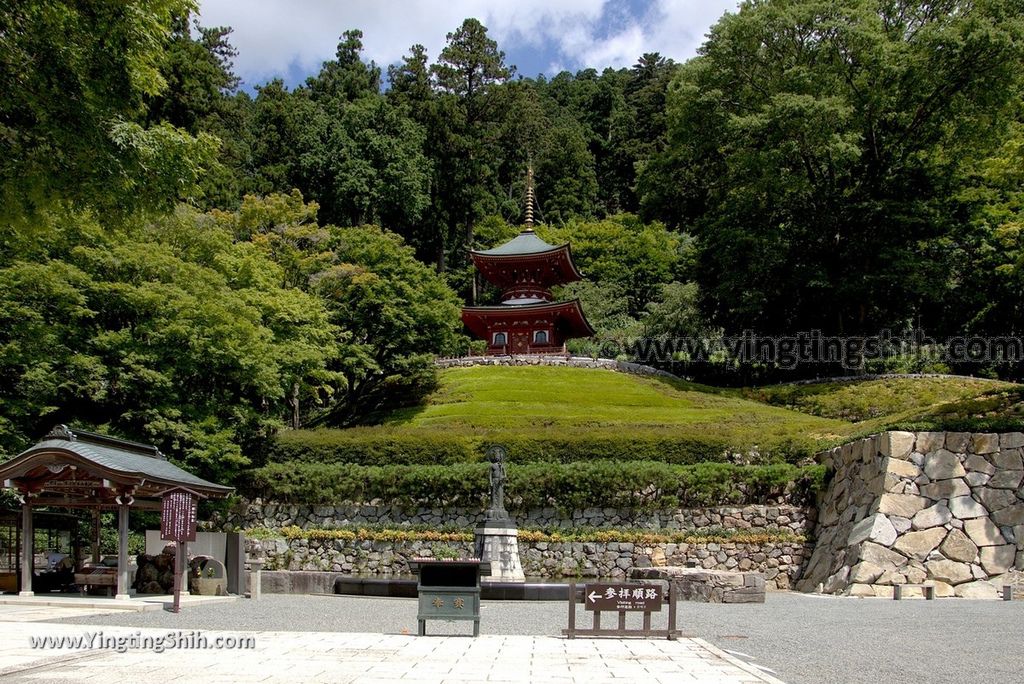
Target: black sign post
<point>623,598</point>
<point>178,524</point>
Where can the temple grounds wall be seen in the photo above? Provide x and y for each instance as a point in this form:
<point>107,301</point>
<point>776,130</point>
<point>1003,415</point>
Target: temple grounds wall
<point>779,517</point>
<point>945,508</point>
<point>553,360</point>
<point>781,562</point>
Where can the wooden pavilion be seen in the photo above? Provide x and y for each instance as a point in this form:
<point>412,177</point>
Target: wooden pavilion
<point>74,468</point>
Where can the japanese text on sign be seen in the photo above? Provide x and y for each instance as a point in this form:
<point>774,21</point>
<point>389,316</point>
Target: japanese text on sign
<point>645,597</point>
<point>178,517</point>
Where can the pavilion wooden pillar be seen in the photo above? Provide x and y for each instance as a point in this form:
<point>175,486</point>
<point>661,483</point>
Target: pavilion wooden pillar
<point>122,547</point>
<point>27,548</point>
<point>96,535</point>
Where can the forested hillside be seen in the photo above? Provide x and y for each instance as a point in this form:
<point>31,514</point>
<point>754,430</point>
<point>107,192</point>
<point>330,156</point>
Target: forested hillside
<point>199,265</point>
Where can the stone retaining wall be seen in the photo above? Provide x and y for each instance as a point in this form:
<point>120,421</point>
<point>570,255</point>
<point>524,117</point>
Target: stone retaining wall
<point>945,508</point>
<point>708,586</point>
<point>553,360</point>
<point>753,518</point>
<point>780,562</point>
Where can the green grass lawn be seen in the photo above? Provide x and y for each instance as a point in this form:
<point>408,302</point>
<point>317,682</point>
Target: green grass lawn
<point>880,401</point>
<point>546,400</point>
<point>565,414</point>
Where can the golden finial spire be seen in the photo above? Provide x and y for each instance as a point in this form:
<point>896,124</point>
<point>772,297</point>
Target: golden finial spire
<point>529,197</point>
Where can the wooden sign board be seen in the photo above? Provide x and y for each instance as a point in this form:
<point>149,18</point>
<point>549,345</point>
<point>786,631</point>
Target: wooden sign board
<point>631,597</point>
<point>178,516</point>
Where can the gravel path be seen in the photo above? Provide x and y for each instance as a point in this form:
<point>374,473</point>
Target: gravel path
<point>801,638</point>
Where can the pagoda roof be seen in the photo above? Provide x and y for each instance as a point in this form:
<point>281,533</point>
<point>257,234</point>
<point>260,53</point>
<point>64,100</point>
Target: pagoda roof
<point>569,314</point>
<point>526,243</point>
<point>526,250</point>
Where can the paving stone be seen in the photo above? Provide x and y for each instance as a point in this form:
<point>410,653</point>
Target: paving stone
<point>959,547</point>
<point>1008,460</point>
<point>1011,515</point>
<point>897,445</point>
<point>943,465</point>
<point>904,505</point>
<point>1006,479</point>
<point>984,443</point>
<point>964,507</point>
<point>983,532</point>
<point>949,571</point>
<point>919,544</point>
<point>996,560</point>
<point>939,514</point>
<point>945,489</point>
<point>876,528</point>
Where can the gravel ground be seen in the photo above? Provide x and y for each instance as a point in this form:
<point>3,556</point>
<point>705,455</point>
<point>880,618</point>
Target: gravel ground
<point>800,638</point>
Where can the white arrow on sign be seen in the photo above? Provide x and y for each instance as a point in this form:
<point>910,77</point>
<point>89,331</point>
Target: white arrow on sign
<point>593,596</point>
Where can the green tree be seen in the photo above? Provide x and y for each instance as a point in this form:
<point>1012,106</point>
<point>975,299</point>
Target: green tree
<point>813,146</point>
<point>75,75</point>
<point>173,333</point>
<point>347,77</point>
<point>636,256</point>
<point>467,70</point>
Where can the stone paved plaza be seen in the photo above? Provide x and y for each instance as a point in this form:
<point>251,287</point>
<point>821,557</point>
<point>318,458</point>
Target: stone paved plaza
<point>338,657</point>
<point>800,639</point>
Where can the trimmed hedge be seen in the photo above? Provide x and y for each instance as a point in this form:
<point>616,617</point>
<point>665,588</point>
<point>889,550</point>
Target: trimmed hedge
<point>641,485</point>
<point>370,447</point>
<point>383,446</point>
<point>632,535</point>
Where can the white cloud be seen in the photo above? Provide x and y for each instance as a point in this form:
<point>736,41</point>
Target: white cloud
<point>272,35</point>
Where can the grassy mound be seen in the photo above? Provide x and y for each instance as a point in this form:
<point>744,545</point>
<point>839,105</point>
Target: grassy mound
<point>546,402</point>
<point>589,437</point>
<point>564,415</point>
<point>892,398</point>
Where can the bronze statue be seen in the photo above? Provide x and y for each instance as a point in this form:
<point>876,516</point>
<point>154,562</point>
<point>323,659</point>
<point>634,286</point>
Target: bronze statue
<point>496,455</point>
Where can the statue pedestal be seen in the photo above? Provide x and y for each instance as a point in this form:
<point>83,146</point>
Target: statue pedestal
<point>497,542</point>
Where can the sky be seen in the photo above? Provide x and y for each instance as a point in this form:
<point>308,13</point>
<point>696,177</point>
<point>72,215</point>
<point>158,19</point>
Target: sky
<point>290,39</point>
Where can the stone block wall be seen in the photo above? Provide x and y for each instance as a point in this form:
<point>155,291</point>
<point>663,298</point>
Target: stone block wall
<point>753,518</point>
<point>779,562</point>
<point>553,360</point>
<point>945,508</point>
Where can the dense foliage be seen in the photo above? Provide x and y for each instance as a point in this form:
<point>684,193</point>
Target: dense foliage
<point>633,484</point>
<point>191,265</point>
<point>640,536</point>
<point>844,165</point>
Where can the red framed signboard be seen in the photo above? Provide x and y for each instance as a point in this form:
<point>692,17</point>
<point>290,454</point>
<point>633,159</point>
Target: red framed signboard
<point>178,516</point>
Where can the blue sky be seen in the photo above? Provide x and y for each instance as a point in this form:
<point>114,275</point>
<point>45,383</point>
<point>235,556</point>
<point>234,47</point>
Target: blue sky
<point>291,38</point>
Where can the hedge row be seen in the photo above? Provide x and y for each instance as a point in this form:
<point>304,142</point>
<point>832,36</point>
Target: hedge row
<point>380,446</point>
<point>631,535</point>
<point>641,485</point>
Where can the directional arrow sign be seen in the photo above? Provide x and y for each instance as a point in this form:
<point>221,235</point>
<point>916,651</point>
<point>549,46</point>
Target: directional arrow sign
<point>645,597</point>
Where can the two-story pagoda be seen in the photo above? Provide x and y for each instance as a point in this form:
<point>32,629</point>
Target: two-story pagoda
<point>528,321</point>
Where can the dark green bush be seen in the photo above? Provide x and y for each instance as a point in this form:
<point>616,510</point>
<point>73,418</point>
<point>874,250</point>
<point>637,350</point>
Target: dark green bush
<point>382,446</point>
<point>602,483</point>
<point>371,447</point>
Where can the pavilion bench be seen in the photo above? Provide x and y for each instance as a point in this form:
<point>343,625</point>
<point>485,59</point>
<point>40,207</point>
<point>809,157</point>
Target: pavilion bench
<point>96,576</point>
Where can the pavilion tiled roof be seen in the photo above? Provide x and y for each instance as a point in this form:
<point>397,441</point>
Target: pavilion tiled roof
<point>121,456</point>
